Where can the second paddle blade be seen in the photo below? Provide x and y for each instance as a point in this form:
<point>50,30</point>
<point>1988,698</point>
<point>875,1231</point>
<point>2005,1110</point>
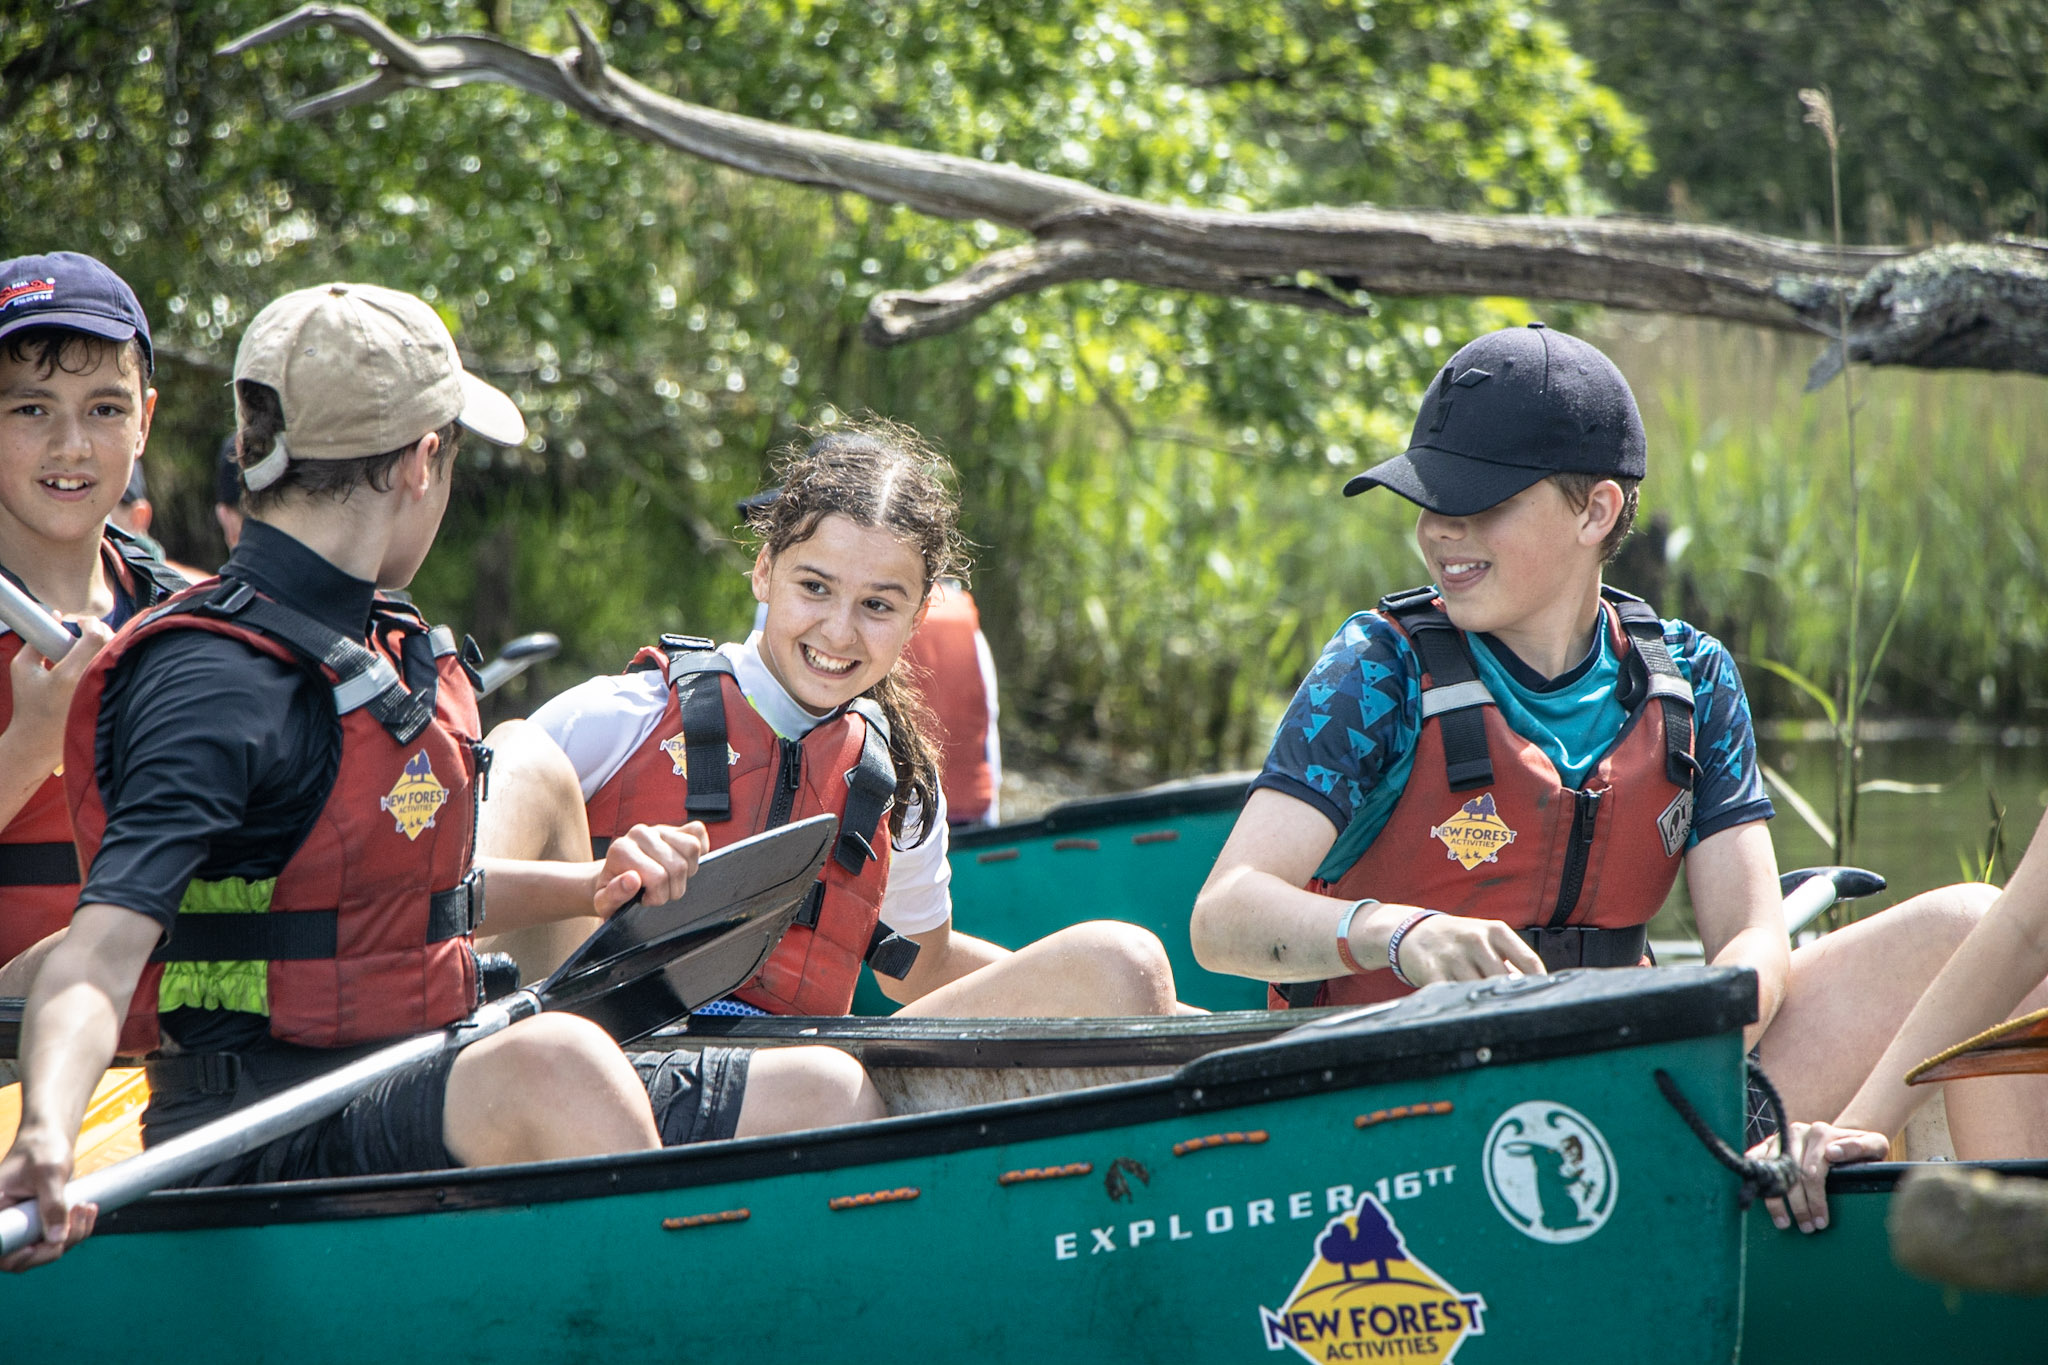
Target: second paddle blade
<point>2016,1047</point>
<point>650,965</point>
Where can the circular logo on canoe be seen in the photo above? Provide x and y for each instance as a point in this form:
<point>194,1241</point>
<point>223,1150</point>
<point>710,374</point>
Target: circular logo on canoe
<point>1550,1172</point>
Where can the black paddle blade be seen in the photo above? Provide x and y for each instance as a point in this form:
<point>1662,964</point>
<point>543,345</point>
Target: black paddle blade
<point>1850,882</point>
<point>650,965</point>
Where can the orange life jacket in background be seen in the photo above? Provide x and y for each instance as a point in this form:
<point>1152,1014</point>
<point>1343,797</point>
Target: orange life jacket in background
<point>711,757</point>
<point>367,930</point>
<point>1486,828</point>
<point>946,667</point>
<point>38,866</point>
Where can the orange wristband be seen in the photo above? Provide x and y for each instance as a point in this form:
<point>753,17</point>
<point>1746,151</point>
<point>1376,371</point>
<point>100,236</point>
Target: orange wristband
<point>1344,934</point>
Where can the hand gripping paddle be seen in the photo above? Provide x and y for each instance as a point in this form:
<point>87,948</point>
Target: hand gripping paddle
<point>648,966</point>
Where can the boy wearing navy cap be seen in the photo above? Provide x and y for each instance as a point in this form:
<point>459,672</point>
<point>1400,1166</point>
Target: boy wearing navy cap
<point>75,406</point>
<point>1504,772</point>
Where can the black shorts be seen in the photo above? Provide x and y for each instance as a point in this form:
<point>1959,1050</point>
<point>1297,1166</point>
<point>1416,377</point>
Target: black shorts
<point>393,1126</point>
<point>696,1095</point>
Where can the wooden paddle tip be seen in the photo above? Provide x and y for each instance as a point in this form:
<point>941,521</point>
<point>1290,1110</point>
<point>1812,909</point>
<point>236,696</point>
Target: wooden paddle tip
<point>2017,1045</point>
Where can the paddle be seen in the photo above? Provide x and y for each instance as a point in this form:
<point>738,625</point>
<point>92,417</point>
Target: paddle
<point>646,967</point>
<point>1811,890</point>
<point>27,618</point>
<point>515,658</point>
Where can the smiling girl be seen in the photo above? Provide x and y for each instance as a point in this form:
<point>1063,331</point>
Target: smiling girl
<point>813,713</point>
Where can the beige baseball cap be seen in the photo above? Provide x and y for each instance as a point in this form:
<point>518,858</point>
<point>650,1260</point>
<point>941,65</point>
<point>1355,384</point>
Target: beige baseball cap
<point>360,370</point>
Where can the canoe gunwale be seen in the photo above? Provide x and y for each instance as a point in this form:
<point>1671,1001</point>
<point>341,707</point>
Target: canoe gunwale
<point>1883,1177</point>
<point>1435,1033</point>
<point>1193,796</point>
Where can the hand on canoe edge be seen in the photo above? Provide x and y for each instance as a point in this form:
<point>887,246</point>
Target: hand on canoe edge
<point>38,1167</point>
<point>655,861</point>
<point>1815,1148</point>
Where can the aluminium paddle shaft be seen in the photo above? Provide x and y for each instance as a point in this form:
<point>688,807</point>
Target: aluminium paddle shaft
<point>28,618</point>
<point>265,1121</point>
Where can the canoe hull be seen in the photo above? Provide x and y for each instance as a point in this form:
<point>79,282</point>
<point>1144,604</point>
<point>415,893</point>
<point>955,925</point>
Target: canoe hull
<point>1177,1242</point>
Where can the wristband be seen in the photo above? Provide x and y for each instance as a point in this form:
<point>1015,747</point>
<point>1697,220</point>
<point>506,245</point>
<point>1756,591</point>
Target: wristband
<point>1394,943</point>
<point>1344,934</point>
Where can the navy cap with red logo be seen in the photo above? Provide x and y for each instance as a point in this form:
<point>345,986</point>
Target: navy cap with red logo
<point>1511,408</point>
<point>73,291</point>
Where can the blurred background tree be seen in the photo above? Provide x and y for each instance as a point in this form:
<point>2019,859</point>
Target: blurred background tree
<point>1150,476</point>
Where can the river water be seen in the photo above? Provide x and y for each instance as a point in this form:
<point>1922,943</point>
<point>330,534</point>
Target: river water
<point>1917,839</point>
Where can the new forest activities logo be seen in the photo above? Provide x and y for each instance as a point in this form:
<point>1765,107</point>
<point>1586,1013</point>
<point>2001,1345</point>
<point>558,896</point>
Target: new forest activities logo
<point>1364,1297</point>
<point>1550,1172</point>
<point>416,798</point>
<point>675,747</point>
<point>1476,834</point>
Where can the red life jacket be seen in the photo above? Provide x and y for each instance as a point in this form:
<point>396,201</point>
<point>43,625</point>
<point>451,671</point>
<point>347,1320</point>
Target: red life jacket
<point>368,926</point>
<point>38,865</point>
<point>1486,828</point>
<point>713,758</point>
<point>947,665</point>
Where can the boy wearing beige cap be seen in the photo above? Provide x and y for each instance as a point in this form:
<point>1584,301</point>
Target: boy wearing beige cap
<point>286,738</point>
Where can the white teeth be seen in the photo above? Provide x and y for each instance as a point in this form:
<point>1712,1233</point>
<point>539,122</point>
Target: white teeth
<point>68,485</point>
<point>1464,567</point>
<point>826,662</point>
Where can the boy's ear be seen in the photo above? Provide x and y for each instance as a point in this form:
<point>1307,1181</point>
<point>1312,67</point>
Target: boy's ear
<point>1603,509</point>
<point>763,562</point>
<point>416,470</point>
<point>148,416</point>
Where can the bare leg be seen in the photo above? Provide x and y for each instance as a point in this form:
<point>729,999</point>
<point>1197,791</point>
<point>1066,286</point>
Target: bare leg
<point>1098,968</point>
<point>1847,997</point>
<point>805,1087</point>
<point>534,811</point>
<point>547,1088</point>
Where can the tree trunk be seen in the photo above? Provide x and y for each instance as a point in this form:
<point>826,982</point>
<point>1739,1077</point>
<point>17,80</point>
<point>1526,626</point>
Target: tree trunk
<point>1979,306</point>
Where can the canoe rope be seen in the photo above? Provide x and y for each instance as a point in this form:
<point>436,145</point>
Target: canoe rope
<point>1762,1177</point>
<point>1218,1140</point>
<point>1045,1173</point>
<point>705,1220</point>
<point>861,1201</point>
<point>1401,1111</point>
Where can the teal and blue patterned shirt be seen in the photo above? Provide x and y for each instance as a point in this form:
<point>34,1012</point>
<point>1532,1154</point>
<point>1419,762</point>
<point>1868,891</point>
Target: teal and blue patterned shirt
<point>1347,743</point>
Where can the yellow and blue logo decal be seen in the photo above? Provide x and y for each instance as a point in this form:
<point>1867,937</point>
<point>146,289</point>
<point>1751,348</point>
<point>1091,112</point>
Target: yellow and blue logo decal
<point>1476,834</point>
<point>675,745</point>
<point>417,797</point>
<point>1364,1297</point>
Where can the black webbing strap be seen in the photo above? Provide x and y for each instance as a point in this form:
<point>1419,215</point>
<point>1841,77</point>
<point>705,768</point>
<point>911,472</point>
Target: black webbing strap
<point>891,954</point>
<point>813,905</point>
<point>209,1073</point>
<point>251,936</point>
<point>363,678</point>
<point>1300,995</point>
<point>870,790</point>
<point>457,911</point>
<point>700,699</point>
<point>1448,661</point>
<point>153,579</point>
<point>1639,622</point>
<point>38,865</point>
<point>306,935</point>
<point>1587,946</point>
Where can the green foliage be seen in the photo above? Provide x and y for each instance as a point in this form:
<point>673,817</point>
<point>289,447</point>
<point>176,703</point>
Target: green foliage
<point>1944,121</point>
<point>665,324</point>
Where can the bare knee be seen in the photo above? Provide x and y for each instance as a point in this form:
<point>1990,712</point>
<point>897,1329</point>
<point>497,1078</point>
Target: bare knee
<point>1941,918</point>
<point>806,1087</point>
<point>1129,965</point>
<point>550,1087</point>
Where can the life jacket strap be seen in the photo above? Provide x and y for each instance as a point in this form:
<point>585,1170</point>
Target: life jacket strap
<point>151,579</point>
<point>1587,945</point>
<point>1666,685</point>
<point>1299,995</point>
<point>364,679</point>
<point>871,790</point>
<point>700,700</point>
<point>1447,659</point>
<point>306,935</point>
<point>38,865</point>
<point>890,954</point>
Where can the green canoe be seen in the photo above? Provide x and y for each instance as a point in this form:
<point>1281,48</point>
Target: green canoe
<point>1481,1172</point>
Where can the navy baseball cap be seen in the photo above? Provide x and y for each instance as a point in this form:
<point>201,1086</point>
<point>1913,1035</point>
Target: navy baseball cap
<point>1511,408</point>
<point>73,291</point>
